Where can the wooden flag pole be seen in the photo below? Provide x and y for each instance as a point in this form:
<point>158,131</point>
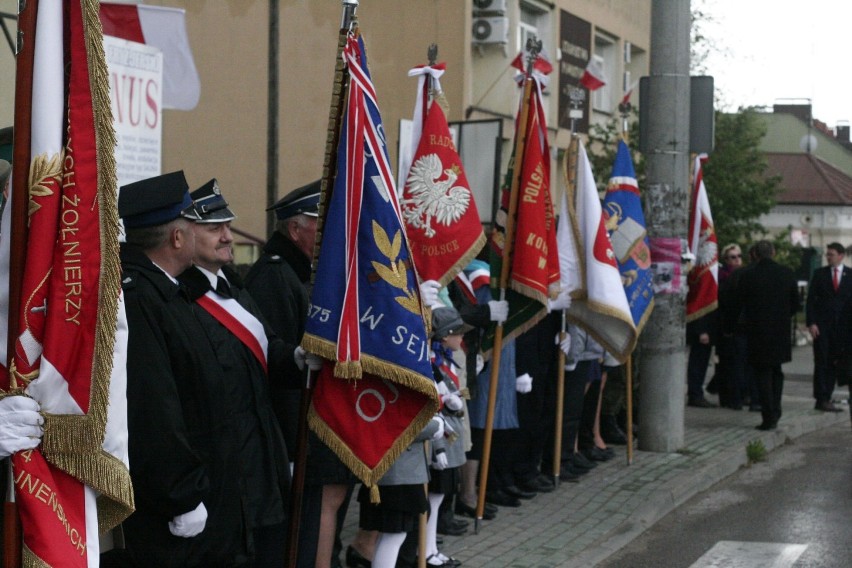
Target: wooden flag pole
<point>571,181</point>
<point>17,258</point>
<point>629,424</point>
<point>335,118</point>
<point>560,406</point>
<point>520,143</point>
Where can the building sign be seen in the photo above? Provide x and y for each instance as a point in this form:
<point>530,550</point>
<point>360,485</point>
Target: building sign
<point>135,91</point>
<point>575,42</point>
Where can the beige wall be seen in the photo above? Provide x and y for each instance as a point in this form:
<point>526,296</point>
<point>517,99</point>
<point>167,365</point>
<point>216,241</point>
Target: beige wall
<point>226,135</point>
<point>7,68</point>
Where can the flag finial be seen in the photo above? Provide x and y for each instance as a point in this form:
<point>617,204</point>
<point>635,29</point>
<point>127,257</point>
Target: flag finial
<point>533,48</point>
<point>432,54</point>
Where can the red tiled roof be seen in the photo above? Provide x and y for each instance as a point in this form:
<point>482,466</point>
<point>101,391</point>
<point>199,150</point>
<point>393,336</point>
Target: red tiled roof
<point>806,178</point>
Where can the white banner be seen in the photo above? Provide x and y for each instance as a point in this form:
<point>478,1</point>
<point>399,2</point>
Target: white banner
<point>136,90</point>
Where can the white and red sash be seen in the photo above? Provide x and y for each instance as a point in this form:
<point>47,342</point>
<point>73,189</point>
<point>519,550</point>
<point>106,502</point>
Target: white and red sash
<point>238,321</point>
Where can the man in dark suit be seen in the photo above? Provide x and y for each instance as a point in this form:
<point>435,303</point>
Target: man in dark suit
<point>829,290</point>
<point>768,296</point>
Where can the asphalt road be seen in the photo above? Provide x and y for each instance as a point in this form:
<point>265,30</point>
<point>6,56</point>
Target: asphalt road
<point>792,510</point>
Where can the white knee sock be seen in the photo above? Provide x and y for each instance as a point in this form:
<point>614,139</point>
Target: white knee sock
<point>387,549</point>
<point>432,525</point>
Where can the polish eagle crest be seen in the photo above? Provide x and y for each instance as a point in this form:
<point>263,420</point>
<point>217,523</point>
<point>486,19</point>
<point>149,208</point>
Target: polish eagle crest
<point>431,199</point>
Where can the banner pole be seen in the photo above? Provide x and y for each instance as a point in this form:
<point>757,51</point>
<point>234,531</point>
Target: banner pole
<point>560,406</point>
<point>338,96</point>
<point>629,409</point>
<point>17,258</point>
<point>571,181</point>
<point>520,142</point>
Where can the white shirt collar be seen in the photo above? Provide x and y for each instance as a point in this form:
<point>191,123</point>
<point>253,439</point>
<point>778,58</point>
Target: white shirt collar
<point>213,278</point>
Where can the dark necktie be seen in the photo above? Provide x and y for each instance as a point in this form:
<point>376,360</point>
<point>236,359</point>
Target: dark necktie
<point>223,288</point>
<point>836,280</point>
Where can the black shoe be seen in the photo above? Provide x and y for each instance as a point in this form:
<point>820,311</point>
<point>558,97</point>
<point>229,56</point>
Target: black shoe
<point>598,454</point>
<point>701,403</point>
<point>764,426</point>
<point>535,485</point>
<point>581,461</point>
<point>452,529</point>
<point>355,560</point>
<point>468,511</point>
<point>827,406</point>
<point>503,499</point>
<point>754,408</point>
<point>569,475</point>
<point>516,491</point>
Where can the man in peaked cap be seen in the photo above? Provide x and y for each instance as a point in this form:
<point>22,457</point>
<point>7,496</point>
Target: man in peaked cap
<point>279,283</point>
<point>183,444</point>
<point>252,357</point>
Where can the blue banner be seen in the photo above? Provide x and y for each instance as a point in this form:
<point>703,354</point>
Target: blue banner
<point>625,221</point>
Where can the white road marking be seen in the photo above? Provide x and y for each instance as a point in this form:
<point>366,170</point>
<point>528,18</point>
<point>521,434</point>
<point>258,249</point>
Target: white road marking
<point>735,554</point>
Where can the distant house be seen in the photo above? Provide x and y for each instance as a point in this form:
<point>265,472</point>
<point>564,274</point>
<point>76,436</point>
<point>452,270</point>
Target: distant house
<point>815,168</point>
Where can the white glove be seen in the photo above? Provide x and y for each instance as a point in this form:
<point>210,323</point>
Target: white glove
<point>20,425</point>
<point>564,344</point>
<point>429,292</point>
<point>453,402</point>
<point>189,524</point>
<point>561,302</point>
<point>302,358</point>
<point>439,461</point>
<point>523,384</point>
<point>480,363</point>
<point>439,433</point>
<point>499,310</point>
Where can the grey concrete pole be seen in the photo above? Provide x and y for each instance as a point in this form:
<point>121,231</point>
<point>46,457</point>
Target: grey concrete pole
<point>662,362</point>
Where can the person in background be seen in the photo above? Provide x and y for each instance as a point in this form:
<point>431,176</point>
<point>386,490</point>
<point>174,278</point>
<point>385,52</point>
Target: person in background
<point>279,283</point>
<point>769,297</point>
<point>830,288</point>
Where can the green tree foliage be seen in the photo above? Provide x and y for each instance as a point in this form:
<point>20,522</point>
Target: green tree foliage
<point>737,188</point>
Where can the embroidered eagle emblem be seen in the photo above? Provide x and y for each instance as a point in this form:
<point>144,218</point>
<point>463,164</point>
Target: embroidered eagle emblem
<point>432,199</point>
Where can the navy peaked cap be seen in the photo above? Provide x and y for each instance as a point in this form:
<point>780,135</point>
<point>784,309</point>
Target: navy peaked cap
<point>210,203</point>
<point>156,201</point>
<point>304,200</point>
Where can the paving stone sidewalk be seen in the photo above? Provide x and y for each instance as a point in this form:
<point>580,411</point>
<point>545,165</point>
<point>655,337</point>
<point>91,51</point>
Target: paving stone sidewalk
<point>581,524</point>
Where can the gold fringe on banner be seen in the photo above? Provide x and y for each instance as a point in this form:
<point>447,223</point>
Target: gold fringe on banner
<point>74,443</point>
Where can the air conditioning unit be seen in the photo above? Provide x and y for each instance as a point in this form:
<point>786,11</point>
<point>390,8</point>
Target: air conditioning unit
<point>489,6</point>
<point>490,30</point>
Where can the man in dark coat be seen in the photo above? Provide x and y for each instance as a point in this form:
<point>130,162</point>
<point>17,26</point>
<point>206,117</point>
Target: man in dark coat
<point>245,348</point>
<point>769,298</point>
<point>184,458</point>
<point>830,289</point>
<point>279,282</point>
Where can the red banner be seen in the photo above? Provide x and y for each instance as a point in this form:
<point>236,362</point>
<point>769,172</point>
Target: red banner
<point>442,222</point>
<point>71,283</point>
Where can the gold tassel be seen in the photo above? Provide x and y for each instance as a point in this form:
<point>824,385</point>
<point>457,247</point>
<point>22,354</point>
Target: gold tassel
<point>348,370</point>
<point>375,499</point>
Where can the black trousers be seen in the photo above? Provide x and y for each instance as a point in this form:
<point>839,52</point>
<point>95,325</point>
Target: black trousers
<point>572,410</point>
<point>770,384</point>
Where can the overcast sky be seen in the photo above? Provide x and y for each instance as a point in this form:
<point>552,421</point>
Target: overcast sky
<point>769,50</point>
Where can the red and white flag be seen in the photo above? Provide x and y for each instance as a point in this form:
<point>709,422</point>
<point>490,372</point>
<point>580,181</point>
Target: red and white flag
<point>593,76</point>
<point>165,29</point>
<point>437,205</point>
<point>703,279</point>
<point>588,265</point>
<point>71,335</point>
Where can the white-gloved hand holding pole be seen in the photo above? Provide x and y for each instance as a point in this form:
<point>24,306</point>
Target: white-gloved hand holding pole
<point>499,310</point>
<point>20,425</point>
